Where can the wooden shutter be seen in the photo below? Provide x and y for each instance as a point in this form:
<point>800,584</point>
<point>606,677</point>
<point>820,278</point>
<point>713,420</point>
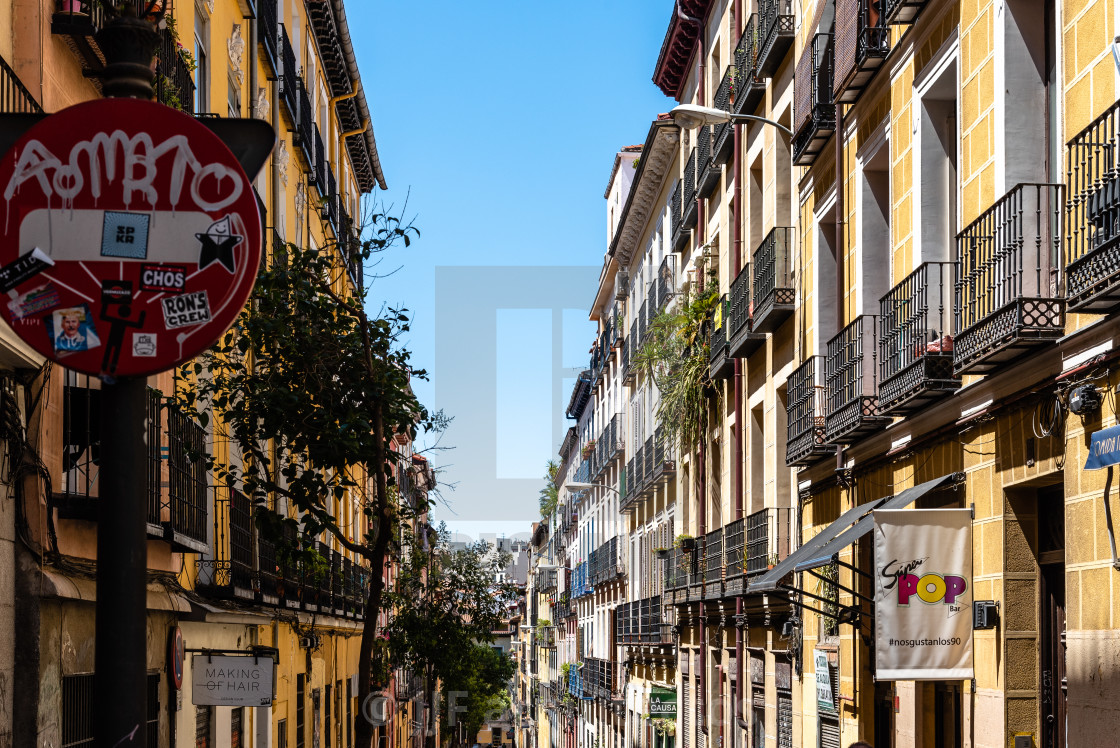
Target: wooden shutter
<point>846,40</point>
<point>785,720</point>
<point>828,732</point>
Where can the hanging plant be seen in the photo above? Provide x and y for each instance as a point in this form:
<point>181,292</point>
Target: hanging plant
<point>675,356</point>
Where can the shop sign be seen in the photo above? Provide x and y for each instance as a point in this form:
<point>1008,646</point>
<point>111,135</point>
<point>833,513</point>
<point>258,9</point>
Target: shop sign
<point>923,594</point>
<point>825,700</point>
<point>663,703</point>
<point>232,680</point>
<point>130,237</point>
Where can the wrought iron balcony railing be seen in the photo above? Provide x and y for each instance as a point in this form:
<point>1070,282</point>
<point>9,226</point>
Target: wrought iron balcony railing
<point>863,40</point>
<point>747,90</point>
<point>306,131</point>
<point>776,33</point>
<point>688,192</point>
<point>774,294</point>
<point>814,108</point>
<point>663,286</point>
<point>174,84</point>
<point>78,21</point>
<point>707,173</point>
<point>721,366</point>
<point>290,82</point>
<point>805,414</point>
<point>768,533</point>
<point>267,33</point>
<point>187,492</point>
<point>902,11</point>
<point>1093,216</point>
<point>1008,290</point>
<point>916,343</point>
<point>639,623</point>
<point>607,562</point>
<point>676,223</point>
<point>713,564</point>
<point>852,381</point>
<point>743,340</point>
<point>14,96</point>
<point>733,553</point>
<point>722,139</point>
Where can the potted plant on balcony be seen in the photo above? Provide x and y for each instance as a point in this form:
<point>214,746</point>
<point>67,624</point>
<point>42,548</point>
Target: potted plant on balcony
<point>664,726</point>
<point>772,561</point>
<point>685,542</point>
<point>662,552</point>
<point>588,448</point>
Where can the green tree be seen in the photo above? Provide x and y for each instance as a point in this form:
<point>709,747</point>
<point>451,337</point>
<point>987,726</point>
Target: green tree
<point>310,391</point>
<point>446,606</point>
<point>550,494</point>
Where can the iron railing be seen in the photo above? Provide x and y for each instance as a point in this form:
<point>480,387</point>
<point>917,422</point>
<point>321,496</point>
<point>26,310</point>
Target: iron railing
<point>640,623</point>
<point>805,413</point>
<point>713,563</point>
<point>852,381</point>
<point>862,42</point>
<point>767,539</point>
<point>676,224</point>
<point>733,554</point>
<point>688,193</point>
<point>916,342</point>
<point>747,90</point>
<point>268,29</point>
<point>813,78</point>
<point>721,138</point>
<point>174,83</point>
<point>187,486</point>
<point>290,82</point>
<point>14,96</point>
<point>1093,215</point>
<point>707,177</point>
<point>776,32</point>
<point>720,364</point>
<point>1008,290</point>
<point>774,294</point>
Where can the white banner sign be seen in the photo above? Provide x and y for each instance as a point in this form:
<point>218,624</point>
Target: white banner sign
<point>825,699</point>
<point>222,680</point>
<point>923,594</point>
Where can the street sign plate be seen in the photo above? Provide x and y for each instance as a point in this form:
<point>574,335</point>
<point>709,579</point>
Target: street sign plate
<point>130,237</point>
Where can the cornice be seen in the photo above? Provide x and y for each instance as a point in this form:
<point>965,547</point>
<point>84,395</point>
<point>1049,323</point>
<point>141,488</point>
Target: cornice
<point>658,156</point>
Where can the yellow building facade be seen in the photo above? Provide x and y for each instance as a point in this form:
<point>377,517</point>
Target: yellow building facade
<point>212,576</point>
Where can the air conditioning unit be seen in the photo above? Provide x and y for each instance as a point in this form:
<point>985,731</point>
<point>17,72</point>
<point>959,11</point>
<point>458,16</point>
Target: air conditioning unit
<point>621,284</point>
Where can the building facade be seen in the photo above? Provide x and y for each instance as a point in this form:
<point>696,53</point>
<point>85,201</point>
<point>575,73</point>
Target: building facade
<point>909,267</point>
<point>213,577</point>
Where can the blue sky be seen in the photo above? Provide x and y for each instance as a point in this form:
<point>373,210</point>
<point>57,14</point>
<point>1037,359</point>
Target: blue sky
<point>498,122</point>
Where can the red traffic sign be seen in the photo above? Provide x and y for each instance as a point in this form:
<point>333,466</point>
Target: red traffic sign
<point>175,657</point>
<point>131,237</point>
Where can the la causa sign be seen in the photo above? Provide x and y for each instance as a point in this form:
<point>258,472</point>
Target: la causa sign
<point>130,237</point>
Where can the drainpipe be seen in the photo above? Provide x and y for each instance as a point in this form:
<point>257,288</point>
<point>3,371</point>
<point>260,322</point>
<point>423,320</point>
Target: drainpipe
<point>737,380</point>
<point>840,287</point>
<point>355,87</point>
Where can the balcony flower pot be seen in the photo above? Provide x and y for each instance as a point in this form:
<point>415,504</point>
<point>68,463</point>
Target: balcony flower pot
<point>662,552</point>
<point>686,542</point>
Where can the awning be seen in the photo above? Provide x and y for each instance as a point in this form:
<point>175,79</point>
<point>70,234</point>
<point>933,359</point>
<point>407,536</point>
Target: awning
<point>851,526</point>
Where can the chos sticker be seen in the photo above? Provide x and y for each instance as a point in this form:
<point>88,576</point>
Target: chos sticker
<point>163,278</point>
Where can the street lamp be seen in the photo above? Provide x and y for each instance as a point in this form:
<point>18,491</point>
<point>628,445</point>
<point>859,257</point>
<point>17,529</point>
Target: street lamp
<point>692,116</point>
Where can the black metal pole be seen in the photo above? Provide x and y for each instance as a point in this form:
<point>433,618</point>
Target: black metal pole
<point>121,643</point>
<point>121,638</point>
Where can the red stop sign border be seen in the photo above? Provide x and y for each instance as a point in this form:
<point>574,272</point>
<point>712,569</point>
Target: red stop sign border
<point>131,237</point>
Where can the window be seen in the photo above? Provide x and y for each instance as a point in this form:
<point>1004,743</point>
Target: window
<point>282,733</point>
<point>936,202</point>
<point>203,727</point>
<point>202,61</point>
<point>236,728</point>
<point>77,710</point>
<point>329,707</point>
<point>874,256</point>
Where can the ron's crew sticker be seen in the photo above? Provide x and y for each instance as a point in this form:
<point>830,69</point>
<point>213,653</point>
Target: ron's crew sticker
<point>185,310</point>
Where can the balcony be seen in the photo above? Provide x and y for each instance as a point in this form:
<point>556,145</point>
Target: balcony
<point>863,41</point>
<point>747,90</point>
<point>183,515</point>
<point>774,295</point>
<point>814,109</point>
<point>805,442</point>
<point>683,576</point>
<point>609,445</point>
<point>898,12</point>
<point>652,466</point>
<point>767,539</point>
<point>174,83</point>
<point>1008,291</point>
<point>916,346</point>
<point>776,34</point>
<point>722,139</point>
<point>721,366</point>
<point>78,22</point>
<point>713,564</point>
<point>606,563</point>
<point>1093,216</point>
<point>742,338</point>
<point>676,221</point>
<point>851,380</point>
<point>14,96</point>
<point>708,174</point>
<point>267,32</point>
<point>290,82</point>
<point>639,624</point>
<point>663,286</point>
<point>688,192</point>
<point>733,583</point>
